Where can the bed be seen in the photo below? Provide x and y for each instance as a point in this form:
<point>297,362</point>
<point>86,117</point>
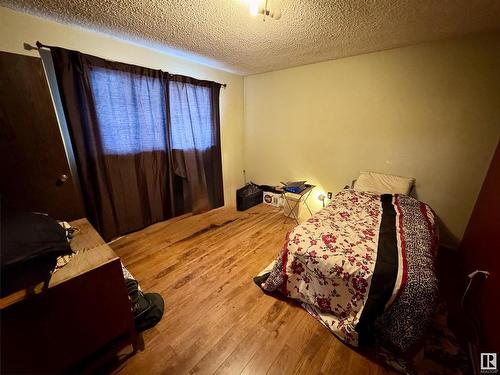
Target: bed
<point>364,267</point>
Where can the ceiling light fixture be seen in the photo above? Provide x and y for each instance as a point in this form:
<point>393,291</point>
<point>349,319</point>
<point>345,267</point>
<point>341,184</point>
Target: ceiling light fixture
<point>256,7</point>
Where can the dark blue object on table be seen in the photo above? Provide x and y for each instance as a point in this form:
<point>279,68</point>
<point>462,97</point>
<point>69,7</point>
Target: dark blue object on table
<point>296,189</point>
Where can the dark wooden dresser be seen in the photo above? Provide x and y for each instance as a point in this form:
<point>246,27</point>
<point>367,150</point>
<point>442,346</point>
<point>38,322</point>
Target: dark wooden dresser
<point>82,316</point>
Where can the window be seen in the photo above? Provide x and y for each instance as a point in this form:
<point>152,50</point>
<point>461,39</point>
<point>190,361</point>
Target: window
<point>191,116</point>
<point>130,111</point>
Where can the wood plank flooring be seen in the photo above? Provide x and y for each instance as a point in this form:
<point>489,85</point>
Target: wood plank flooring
<point>216,320</point>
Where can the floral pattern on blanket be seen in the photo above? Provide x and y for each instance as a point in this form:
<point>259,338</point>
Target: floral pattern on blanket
<point>328,261</point>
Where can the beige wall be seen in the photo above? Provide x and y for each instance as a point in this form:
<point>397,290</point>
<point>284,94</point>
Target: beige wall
<point>430,111</point>
<point>17,28</point>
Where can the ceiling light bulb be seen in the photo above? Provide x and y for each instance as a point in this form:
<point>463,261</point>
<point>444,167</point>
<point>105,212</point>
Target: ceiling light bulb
<point>254,7</point>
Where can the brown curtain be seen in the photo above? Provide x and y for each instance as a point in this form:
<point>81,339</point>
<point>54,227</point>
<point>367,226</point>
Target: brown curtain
<point>119,120</point>
<point>194,118</point>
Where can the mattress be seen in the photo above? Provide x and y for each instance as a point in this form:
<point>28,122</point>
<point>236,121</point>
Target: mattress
<point>364,267</point>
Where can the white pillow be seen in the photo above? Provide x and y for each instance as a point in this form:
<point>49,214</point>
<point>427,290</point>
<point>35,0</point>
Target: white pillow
<point>383,183</point>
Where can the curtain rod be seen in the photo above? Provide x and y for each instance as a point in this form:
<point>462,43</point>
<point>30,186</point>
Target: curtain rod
<point>39,46</point>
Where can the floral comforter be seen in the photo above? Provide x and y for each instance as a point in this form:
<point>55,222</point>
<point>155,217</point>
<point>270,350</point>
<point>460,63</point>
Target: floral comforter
<point>364,267</point>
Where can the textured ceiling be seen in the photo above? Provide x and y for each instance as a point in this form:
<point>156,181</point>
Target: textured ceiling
<point>223,33</point>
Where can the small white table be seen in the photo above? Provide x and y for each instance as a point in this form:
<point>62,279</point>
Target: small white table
<point>302,197</point>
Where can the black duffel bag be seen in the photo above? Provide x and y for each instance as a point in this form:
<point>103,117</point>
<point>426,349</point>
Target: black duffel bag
<point>30,245</point>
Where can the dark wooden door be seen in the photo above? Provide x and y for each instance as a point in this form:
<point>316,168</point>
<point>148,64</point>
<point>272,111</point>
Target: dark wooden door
<point>32,156</point>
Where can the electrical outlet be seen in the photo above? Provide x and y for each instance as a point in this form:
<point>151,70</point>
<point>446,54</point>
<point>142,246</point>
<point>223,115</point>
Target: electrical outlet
<point>329,195</point>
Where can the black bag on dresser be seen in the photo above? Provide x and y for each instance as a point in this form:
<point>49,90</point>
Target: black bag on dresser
<point>30,245</point>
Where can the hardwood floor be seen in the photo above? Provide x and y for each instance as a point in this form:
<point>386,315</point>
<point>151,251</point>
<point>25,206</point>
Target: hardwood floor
<point>216,320</point>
